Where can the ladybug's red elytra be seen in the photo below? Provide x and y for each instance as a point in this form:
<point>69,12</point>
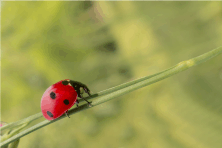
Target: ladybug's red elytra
<point>60,97</point>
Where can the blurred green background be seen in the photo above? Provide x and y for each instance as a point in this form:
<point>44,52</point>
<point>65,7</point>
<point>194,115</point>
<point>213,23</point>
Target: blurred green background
<point>104,44</point>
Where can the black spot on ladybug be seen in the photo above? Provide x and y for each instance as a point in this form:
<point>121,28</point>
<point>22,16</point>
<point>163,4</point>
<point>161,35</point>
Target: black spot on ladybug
<point>66,102</point>
<point>65,82</point>
<point>52,95</point>
<point>49,113</point>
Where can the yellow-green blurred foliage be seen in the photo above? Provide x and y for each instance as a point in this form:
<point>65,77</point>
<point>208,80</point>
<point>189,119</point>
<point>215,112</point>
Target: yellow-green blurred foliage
<point>103,44</point>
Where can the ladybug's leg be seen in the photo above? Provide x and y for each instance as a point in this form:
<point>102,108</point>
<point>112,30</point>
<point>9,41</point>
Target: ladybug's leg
<point>67,114</point>
<point>85,100</point>
<point>77,102</point>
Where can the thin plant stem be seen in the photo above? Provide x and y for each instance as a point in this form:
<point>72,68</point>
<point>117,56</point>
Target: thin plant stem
<point>115,92</point>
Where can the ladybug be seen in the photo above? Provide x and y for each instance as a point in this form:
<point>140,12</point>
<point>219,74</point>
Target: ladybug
<point>60,97</point>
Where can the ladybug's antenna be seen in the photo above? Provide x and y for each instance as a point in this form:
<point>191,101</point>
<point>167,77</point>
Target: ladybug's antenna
<point>87,91</point>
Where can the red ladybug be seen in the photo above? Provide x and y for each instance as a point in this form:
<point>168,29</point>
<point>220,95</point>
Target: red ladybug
<point>60,97</point>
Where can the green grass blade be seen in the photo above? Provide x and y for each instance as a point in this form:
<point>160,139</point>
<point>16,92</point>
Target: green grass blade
<point>117,91</point>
